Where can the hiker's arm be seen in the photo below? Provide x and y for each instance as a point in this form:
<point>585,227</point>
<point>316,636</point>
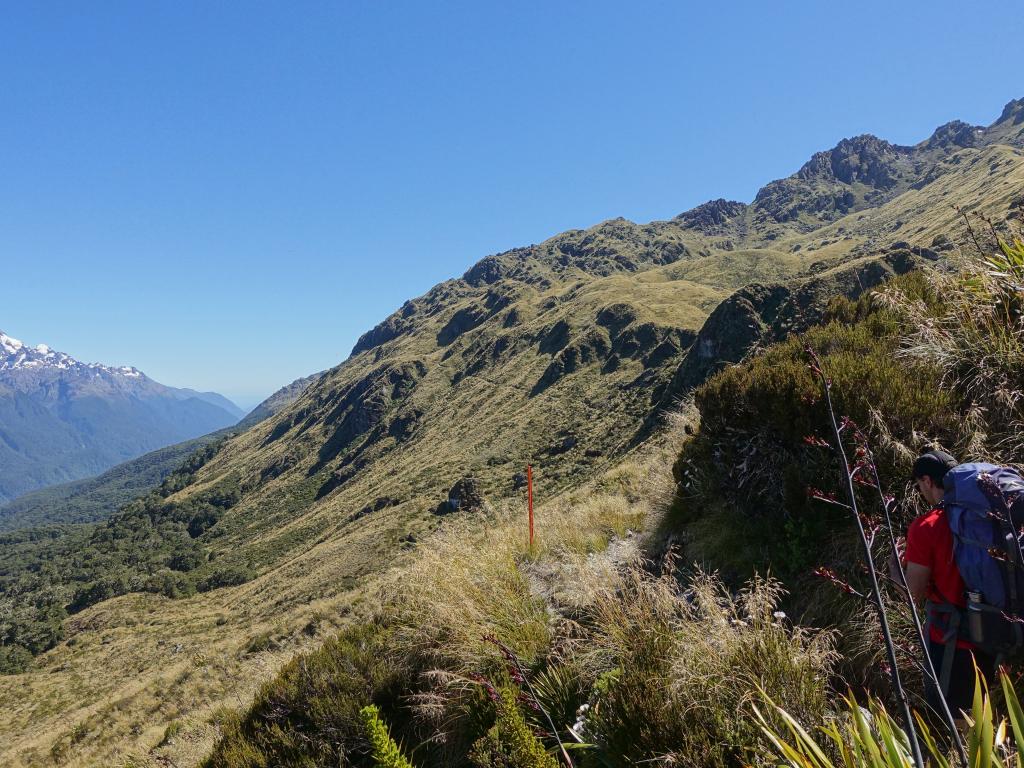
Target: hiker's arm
<point>918,577</point>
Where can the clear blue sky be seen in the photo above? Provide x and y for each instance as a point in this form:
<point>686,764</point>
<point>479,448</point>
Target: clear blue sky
<point>226,194</point>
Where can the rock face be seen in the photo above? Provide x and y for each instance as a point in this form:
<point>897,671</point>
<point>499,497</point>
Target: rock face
<point>464,496</point>
<point>863,159</point>
<point>712,217</point>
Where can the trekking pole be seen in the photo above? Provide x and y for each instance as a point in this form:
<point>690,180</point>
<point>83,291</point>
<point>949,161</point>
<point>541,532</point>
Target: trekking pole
<point>929,667</point>
<point>869,561</point>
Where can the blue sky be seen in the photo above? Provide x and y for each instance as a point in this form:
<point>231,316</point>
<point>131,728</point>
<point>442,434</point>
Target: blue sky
<point>227,194</point>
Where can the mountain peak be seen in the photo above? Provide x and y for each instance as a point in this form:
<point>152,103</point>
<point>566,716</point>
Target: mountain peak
<point>1013,111</point>
<point>865,158</point>
<point>16,356</point>
<point>954,133</point>
<point>711,215</point>
<point>9,344</point>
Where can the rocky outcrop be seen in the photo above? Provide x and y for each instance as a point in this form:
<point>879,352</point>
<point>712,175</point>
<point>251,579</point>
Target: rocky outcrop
<point>465,496</point>
<point>954,134</point>
<point>712,217</point>
<point>864,159</point>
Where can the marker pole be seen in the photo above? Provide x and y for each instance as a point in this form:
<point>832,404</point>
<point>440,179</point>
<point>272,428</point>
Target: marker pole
<point>529,498</point>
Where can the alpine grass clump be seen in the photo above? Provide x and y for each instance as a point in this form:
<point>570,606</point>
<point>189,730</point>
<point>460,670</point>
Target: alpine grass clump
<point>675,668</point>
<point>977,340</point>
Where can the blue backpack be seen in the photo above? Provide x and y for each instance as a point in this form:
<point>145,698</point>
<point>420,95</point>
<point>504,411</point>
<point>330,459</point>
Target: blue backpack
<point>984,504</point>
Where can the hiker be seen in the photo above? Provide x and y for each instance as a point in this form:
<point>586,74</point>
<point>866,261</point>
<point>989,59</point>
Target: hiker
<point>934,580</point>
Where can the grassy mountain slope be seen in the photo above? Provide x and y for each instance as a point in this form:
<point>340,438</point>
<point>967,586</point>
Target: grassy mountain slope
<point>555,354</point>
<point>662,664</point>
<point>279,400</point>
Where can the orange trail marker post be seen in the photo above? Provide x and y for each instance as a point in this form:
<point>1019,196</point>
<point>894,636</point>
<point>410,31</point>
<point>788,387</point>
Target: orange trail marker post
<point>529,498</point>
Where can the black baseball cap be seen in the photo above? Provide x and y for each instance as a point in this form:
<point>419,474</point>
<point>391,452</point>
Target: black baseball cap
<point>933,464</point>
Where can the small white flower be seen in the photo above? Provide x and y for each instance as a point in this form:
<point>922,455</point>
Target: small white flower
<point>779,614</point>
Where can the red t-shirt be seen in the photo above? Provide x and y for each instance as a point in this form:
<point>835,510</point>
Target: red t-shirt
<point>930,543</point>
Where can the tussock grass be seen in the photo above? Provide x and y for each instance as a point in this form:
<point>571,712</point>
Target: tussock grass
<point>465,586</point>
<point>976,339</point>
<point>679,665</point>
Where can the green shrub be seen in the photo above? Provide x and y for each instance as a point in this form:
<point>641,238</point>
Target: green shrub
<point>14,659</point>
<point>170,584</point>
<point>385,752</point>
<point>510,743</point>
<point>309,713</point>
<point>750,456</point>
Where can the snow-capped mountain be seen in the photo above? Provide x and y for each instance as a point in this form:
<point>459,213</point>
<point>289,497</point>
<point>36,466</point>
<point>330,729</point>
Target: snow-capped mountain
<point>62,419</point>
<point>20,359</point>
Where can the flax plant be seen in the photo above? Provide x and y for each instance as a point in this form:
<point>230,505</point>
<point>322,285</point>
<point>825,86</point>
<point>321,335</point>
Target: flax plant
<point>870,738</point>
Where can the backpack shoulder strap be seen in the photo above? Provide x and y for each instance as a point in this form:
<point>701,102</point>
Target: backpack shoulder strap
<point>949,637</point>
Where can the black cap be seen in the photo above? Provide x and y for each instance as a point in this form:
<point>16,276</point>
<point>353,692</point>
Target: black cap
<point>933,464</point>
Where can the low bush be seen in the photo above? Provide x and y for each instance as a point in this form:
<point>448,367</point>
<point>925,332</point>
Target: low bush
<point>309,714</point>
<point>14,659</point>
<point>750,455</point>
<point>510,743</point>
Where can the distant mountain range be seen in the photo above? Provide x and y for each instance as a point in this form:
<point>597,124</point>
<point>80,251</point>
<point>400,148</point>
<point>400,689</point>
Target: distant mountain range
<point>62,419</point>
<point>97,498</point>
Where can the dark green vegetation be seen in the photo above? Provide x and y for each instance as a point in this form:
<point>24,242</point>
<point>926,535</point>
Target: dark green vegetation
<point>755,418</point>
<point>563,354</point>
<point>926,361</point>
<point>152,544</point>
<point>85,501</point>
